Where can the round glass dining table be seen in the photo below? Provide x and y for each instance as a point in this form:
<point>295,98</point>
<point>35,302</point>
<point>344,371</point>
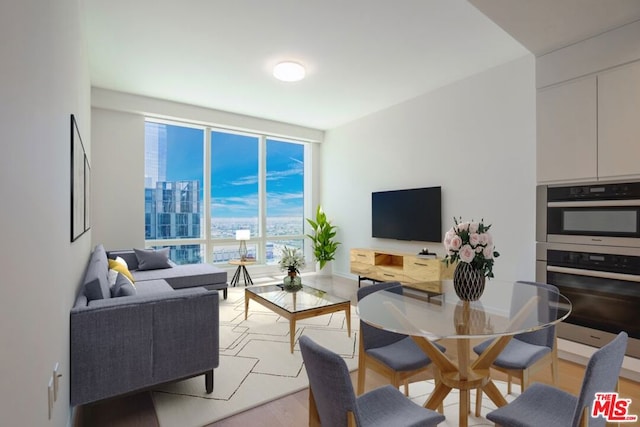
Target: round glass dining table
<point>504,310</point>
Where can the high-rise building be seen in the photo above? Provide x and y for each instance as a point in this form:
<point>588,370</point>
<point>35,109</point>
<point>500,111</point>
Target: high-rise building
<point>172,211</point>
<point>155,153</point>
<point>172,208</point>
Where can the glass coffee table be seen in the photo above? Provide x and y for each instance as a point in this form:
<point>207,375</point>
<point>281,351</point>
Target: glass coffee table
<point>293,306</point>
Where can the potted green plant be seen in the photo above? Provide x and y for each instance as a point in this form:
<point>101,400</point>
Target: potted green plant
<point>324,245</point>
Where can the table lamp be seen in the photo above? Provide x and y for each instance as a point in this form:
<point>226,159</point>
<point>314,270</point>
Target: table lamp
<point>243,236</point>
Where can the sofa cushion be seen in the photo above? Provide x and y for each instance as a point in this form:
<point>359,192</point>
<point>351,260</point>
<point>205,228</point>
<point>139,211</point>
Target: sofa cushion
<point>123,287</point>
<point>120,268</point>
<point>149,287</point>
<point>150,259</point>
<point>185,276</point>
<point>96,282</point>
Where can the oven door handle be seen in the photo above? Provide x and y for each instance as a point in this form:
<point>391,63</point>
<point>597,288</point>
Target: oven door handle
<point>594,204</point>
<point>594,273</point>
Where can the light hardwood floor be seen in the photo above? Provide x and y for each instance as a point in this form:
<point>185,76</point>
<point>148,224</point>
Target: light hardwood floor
<point>137,410</point>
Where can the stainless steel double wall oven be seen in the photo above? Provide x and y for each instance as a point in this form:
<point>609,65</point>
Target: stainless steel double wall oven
<point>589,247</point>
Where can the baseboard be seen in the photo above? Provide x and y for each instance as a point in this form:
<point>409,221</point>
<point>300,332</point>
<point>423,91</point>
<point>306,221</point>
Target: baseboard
<point>580,354</point>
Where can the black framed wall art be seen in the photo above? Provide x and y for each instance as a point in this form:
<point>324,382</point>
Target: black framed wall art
<point>80,184</point>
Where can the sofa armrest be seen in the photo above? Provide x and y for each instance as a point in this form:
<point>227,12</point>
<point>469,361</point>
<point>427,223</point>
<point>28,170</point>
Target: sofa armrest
<point>186,337</point>
<point>124,344</point>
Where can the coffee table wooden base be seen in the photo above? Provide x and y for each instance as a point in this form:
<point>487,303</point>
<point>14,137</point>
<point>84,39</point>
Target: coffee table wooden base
<point>295,316</point>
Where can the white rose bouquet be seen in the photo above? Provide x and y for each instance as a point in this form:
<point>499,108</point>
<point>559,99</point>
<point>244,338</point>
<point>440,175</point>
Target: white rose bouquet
<point>292,260</point>
<point>472,243</point>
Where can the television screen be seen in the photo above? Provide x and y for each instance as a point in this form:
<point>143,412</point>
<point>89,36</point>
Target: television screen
<point>412,214</point>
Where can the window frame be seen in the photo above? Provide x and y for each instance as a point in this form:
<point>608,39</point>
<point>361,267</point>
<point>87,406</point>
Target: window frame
<point>207,242</point>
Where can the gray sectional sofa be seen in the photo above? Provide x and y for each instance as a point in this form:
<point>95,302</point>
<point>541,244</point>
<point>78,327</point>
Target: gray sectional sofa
<point>166,330</point>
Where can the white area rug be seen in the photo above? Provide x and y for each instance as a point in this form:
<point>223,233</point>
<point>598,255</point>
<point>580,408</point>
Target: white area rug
<point>420,391</point>
<point>257,367</point>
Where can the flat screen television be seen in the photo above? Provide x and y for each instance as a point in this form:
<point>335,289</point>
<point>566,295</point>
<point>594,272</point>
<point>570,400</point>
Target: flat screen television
<point>411,214</point>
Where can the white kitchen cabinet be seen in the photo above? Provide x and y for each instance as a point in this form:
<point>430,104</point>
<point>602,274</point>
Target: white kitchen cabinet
<point>619,122</point>
<point>567,146</point>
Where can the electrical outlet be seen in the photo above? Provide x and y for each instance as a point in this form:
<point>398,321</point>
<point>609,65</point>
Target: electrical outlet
<point>50,396</point>
<point>56,380</point>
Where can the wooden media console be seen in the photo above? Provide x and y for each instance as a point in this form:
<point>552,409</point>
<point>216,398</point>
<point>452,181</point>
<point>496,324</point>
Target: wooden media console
<point>414,271</point>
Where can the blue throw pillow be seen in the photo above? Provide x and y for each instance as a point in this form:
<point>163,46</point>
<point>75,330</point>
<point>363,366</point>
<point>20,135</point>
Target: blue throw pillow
<point>123,287</point>
<point>150,259</point>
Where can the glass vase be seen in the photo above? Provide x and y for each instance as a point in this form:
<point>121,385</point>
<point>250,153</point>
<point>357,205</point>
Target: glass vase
<point>292,283</point>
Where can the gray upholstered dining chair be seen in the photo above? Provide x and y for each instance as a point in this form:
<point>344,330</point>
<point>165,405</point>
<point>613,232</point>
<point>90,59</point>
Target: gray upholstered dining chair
<point>545,405</point>
<point>332,401</point>
<point>392,355</point>
<point>528,352</point>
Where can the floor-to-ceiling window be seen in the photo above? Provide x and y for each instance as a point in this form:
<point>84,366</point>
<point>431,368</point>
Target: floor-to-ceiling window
<point>174,177</point>
<point>253,182</point>
<point>284,213</point>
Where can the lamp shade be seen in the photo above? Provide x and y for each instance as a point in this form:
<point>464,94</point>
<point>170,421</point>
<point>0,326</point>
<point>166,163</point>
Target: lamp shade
<point>243,234</point>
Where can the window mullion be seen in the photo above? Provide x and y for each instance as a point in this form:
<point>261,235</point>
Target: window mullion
<point>262,197</point>
<point>206,198</point>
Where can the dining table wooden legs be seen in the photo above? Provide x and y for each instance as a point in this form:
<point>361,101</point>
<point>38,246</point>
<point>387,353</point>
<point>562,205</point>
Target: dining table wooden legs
<point>463,375</point>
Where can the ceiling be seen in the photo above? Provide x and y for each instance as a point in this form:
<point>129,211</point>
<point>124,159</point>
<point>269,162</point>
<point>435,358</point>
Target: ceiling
<point>546,25</point>
<point>361,55</point>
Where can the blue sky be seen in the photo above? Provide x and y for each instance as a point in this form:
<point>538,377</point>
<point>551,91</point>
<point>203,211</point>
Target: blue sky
<point>234,174</point>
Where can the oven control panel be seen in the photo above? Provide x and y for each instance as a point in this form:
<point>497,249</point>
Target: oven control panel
<point>629,190</point>
<point>624,264</point>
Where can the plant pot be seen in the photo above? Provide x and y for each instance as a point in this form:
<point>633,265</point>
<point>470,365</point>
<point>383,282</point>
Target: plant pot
<point>468,282</point>
<point>326,271</point>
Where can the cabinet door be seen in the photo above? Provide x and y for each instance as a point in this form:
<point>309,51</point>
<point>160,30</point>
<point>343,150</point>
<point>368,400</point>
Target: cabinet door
<point>389,273</point>
<point>362,256</point>
<point>421,270</point>
<point>362,261</point>
<point>619,122</point>
<point>567,132</point>
<point>423,274</point>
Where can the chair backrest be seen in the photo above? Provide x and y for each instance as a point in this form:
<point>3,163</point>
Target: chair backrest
<point>601,375</point>
<point>330,383</point>
<point>371,336</point>
<point>545,336</point>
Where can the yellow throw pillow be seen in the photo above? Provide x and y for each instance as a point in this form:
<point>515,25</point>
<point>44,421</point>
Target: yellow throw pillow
<point>115,265</point>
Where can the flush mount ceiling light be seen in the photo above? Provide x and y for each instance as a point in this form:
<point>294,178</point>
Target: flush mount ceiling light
<point>289,71</point>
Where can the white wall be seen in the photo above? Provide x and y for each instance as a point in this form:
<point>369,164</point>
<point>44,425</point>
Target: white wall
<point>118,179</point>
<point>44,79</point>
<point>475,138</point>
<point>170,110</point>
